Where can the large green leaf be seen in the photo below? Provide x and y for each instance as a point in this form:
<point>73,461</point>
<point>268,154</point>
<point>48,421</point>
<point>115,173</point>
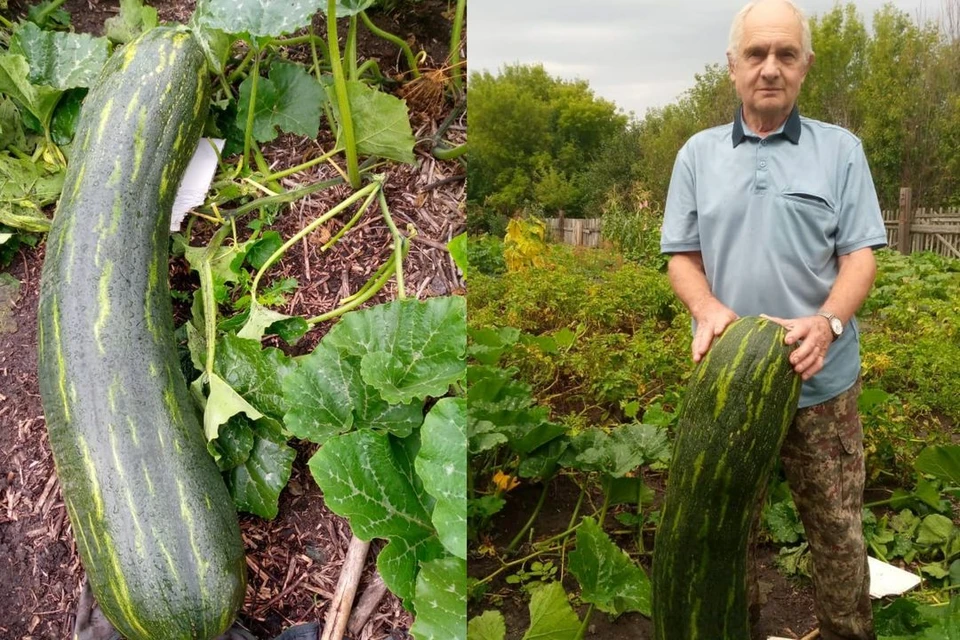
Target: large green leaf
<point>623,449</point>
<point>11,125</point>
<point>327,396</point>
<point>551,617</point>
<point>233,443</point>
<point>940,461</point>
<point>366,479</point>
<point>609,579</point>
<point>289,99</point>
<point>442,465</point>
<point>381,124</point>
<point>441,601</point>
<point>934,623</point>
<point>408,349</point>
<point>256,374</point>
<point>133,20</point>
<point>256,484</point>
<point>935,529</point>
<point>39,101</point>
<point>265,18</point>
<point>347,8</point>
<point>58,59</point>
<point>487,626</point>
<point>223,403</point>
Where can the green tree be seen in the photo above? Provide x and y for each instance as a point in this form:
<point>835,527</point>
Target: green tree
<point>530,137</point>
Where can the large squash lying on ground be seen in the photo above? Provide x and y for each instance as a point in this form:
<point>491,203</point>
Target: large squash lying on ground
<point>155,527</point>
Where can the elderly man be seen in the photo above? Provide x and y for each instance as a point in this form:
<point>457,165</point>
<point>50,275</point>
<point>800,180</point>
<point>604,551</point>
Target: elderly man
<point>777,214</point>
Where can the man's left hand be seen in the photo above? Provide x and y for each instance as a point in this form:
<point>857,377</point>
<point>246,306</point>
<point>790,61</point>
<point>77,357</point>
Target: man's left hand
<point>814,335</point>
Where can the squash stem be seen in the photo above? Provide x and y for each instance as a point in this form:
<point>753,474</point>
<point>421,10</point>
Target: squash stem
<point>350,49</point>
<point>50,8</point>
<point>206,293</point>
<point>455,43</point>
<point>251,109</point>
<point>343,100</point>
<point>585,623</point>
<point>533,516</point>
<point>300,167</point>
<point>513,563</point>
<point>343,231</point>
<point>236,73</point>
<point>313,52</point>
<point>370,64</point>
<point>6,23</point>
<point>606,504</point>
<point>447,153</point>
<point>397,245</point>
<point>371,290</point>
<point>369,191</point>
<point>389,37</point>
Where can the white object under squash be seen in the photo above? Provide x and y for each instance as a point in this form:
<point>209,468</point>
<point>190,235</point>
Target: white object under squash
<point>885,580</point>
<point>196,180</point>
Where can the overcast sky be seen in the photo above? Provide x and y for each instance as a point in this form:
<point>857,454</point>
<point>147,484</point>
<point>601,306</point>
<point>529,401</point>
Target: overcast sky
<point>637,53</point>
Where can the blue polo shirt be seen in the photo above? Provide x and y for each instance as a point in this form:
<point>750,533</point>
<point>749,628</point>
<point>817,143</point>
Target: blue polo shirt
<point>770,217</point>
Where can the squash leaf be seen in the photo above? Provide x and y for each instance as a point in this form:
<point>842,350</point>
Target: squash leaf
<point>551,616</point>
<point>347,8</point>
<point>442,464</point>
<point>367,478</point>
<point>223,403</point>
<point>233,443</point>
<point>609,578</point>
<point>441,608</point>
<point>290,99</point>
<point>942,462</point>
<point>256,374</point>
<point>57,59</point>
<point>380,121</point>
<point>39,101</point>
<point>408,349</point>
<point>260,18</point>
<point>256,484</point>
<point>133,20</point>
<point>620,451</point>
<point>327,396</point>
<point>487,626</point>
<point>458,251</point>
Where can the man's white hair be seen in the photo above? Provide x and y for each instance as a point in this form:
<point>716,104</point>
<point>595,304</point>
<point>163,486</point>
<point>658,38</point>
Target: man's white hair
<point>736,29</point>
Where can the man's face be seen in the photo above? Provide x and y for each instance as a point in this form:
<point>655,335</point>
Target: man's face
<point>769,67</point>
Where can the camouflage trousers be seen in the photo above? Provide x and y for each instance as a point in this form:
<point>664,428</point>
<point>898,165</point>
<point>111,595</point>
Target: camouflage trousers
<point>823,459</point>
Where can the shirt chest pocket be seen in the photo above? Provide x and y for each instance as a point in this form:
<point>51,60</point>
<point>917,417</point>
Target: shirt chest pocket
<point>810,214</point>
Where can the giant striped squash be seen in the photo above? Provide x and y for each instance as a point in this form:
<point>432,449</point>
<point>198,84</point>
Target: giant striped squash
<point>736,412</point>
<point>155,527</point>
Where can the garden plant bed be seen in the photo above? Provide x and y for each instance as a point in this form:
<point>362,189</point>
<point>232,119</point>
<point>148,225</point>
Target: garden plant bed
<point>294,560</point>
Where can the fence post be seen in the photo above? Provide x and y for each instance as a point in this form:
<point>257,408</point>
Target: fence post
<point>578,232</point>
<point>905,220</point>
<point>561,223</point>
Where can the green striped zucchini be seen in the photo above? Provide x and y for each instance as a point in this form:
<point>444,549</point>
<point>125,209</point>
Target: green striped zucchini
<point>736,413</point>
<point>155,527</point>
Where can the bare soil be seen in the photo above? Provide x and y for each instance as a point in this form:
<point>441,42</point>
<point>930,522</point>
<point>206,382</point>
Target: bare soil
<point>787,612</point>
<point>293,561</point>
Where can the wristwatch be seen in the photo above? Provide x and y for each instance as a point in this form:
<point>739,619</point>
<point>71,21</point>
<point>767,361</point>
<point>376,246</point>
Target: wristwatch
<point>836,326</point>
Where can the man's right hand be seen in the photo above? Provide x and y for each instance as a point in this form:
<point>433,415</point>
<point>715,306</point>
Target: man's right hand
<point>712,319</point>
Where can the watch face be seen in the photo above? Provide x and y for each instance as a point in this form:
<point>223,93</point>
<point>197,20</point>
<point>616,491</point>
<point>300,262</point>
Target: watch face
<point>836,326</point>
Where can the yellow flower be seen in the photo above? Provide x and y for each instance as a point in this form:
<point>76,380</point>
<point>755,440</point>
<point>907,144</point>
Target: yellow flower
<point>504,482</point>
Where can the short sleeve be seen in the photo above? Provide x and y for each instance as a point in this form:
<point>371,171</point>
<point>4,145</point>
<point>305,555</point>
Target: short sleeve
<point>860,222</point>
<point>680,231</point>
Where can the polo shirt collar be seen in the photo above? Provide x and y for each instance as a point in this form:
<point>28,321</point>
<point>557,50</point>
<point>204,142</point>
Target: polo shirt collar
<point>790,130</point>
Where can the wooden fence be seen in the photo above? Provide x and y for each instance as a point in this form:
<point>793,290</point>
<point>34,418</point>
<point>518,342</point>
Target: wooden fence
<point>580,232</point>
<point>909,229</point>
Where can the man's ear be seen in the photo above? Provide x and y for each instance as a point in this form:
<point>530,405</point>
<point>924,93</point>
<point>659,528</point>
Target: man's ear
<point>809,64</point>
<point>731,66</point>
